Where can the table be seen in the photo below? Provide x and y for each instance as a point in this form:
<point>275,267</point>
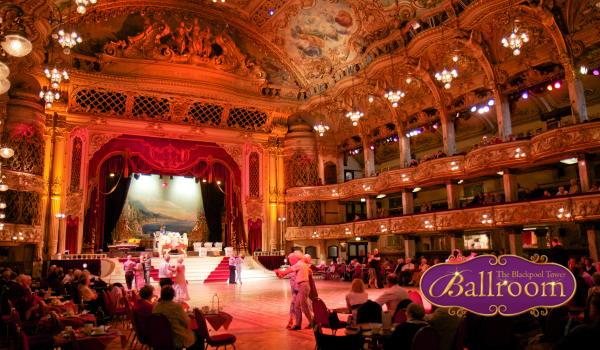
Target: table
<point>63,308</point>
<point>216,321</point>
<point>271,262</point>
<point>91,342</point>
<point>75,322</point>
<point>373,338</point>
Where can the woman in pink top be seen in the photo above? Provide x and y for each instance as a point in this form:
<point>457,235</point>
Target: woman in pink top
<point>139,276</point>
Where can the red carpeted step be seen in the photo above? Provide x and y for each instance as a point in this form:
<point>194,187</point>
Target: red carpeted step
<point>220,273</point>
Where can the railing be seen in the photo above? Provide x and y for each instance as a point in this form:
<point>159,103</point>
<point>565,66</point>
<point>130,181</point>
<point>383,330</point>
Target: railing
<point>269,253</point>
<point>79,256</point>
<point>550,146</point>
<point>578,207</point>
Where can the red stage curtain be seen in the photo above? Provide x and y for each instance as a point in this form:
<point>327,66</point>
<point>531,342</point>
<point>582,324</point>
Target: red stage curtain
<point>150,155</point>
<point>271,262</point>
<point>527,237</point>
<point>213,195</point>
<point>254,235</point>
<point>72,233</point>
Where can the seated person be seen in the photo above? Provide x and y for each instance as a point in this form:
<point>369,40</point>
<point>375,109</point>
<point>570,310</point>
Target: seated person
<point>357,271</point>
<point>445,324</point>
<point>413,163</point>
<point>183,337</point>
<point>595,187</point>
<point>331,270</point>
<point>143,308</point>
<point>405,332</point>
<point>394,295</point>
<point>398,268</point>
<point>18,292</point>
<point>562,191</point>
<point>487,199</point>
<point>89,297</point>
<point>583,336</point>
<point>574,187</point>
<point>407,271</point>
<point>596,284</point>
<point>416,278</point>
<point>546,194</point>
<point>355,299</point>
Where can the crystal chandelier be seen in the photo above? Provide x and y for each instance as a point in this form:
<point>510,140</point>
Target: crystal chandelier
<point>355,114</point>
<point>81,4</point>
<point>392,96</point>
<point>67,41</point>
<point>515,40</point>
<point>320,128</point>
<point>55,76</point>
<point>49,95</point>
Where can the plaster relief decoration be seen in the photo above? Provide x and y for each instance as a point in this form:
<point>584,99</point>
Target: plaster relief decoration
<point>21,234</point>
<point>254,209</point>
<point>234,151</point>
<point>99,140</point>
<point>391,244</point>
<point>178,37</point>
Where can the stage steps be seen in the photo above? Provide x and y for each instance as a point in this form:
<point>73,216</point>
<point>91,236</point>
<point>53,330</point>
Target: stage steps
<point>197,269</point>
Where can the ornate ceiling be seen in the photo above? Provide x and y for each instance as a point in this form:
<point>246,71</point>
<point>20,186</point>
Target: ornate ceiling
<point>324,57</point>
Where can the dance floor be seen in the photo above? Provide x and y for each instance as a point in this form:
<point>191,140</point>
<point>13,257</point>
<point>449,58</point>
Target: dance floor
<point>260,311</point>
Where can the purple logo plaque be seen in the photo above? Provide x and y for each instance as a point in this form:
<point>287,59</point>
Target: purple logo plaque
<point>488,285</point>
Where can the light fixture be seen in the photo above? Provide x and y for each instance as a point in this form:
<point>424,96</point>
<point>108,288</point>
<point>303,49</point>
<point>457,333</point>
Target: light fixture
<point>519,154</point>
<point>416,189</point>
<point>6,152</point>
<point>446,76</point>
<point>2,205</point>
<point>557,85</point>
<point>2,215</point>
<point>355,114</point>
<point>112,174</point>
<point>49,95</point>
<point>454,166</point>
<point>379,196</point>
<point>473,109</point>
<point>428,224</point>
<point>525,95</point>
<point>358,238</point>
<point>408,80</point>
<point>67,41</point>
<point>596,72</point>
<point>500,173</point>
<point>363,199</point>
<point>583,69</point>
<point>460,181</point>
<point>4,85</point>
<point>569,161</point>
<point>271,12</point>
<point>4,70</point>
<point>17,45</point>
<point>394,96</point>
<point>372,147</point>
<point>529,228</point>
<point>320,128</point>
<point>491,102</point>
<point>371,99</point>
<point>550,87</point>
<point>404,178</point>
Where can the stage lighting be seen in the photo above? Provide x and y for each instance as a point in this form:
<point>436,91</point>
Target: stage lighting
<point>203,180</point>
<point>596,72</point>
<point>112,175</point>
<point>395,139</point>
<point>557,85</point>
<point>525,95</point>
<point>136,176</point>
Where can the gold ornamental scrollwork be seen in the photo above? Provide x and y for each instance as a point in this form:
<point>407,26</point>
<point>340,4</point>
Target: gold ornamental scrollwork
<point>539,259</point>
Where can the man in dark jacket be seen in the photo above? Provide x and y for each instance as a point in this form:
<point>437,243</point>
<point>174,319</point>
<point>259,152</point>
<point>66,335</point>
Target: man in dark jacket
<point>584,336</point>
<point>559,253</point>
<point>405,332</point>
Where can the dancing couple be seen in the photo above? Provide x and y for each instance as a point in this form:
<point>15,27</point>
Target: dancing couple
<point>166,271</point>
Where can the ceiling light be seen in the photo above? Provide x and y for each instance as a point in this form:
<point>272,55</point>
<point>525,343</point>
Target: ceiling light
<point>583,69</point>
<point>529,228</point>
<point>16,45</point>
<point>455,58</point>
<point>271,12</point>
<point>415,25</point>
<point>550,87</point>
<point>379,196</point>
<point>557,85</point>
<point>321,128</point>
<point>4,70</point>
<point>525,95</point>
<point>515,40</point>
<point>569,161</point>
<point>460,181</point>
<point>6,152</point>
<point>372,146</point>
<point>408,80</point>
<point>363,199</point>
<point>3,186</point>
<point>596,72</point>
<point>395,138</point>
<point>416,189</point>
<point>491,102</point>
<point>358,238</point>
<point>500,173</point>
<point>473,109</point>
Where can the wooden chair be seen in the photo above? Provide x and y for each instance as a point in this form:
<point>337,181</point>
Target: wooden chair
<point>161,337</point>
<point>322,316</point>
<point>427,338</point>
<point>214,341</point>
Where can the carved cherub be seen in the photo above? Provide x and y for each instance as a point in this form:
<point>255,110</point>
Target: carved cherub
<point>544,10</point>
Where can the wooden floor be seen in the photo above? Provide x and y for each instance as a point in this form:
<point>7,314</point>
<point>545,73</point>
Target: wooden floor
<point>260,311</point>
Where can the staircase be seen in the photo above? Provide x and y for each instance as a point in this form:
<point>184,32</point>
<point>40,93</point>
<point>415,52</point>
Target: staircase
<point>197,270</point>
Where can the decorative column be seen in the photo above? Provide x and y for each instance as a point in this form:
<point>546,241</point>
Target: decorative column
<point>273,214</point>
<point>23,132</point>
<point>502,114</point>
<point>322,250</point>
<point>453,194</point>
<point>511,193</point>
<point>455,240</point>
<point>542,242</point>
<point>410,248</point>
<point>593,241</point>
<point>586,172</point>
<point>341,175</point>
<point>404,143</point>
<point>365,136</point>
<point>321,160</point>
<point>341,212</point>
<point>515,239</point>
<point>371,208</point>
<point>576,92</point>
<point>407,202</point>
<point>448,134</point>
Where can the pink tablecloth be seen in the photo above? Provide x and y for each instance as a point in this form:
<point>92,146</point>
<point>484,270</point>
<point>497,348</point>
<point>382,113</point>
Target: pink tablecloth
<point>62,308</point>
<point>216,321</point>
<point>91,342</point>
<point>75,322</point>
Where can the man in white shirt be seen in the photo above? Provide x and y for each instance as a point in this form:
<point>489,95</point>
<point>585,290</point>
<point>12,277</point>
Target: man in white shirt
<point>165,271</point>
<point>232,264</point>
<point>239,261</point>
<point>129,273</point>
<point>394,295</point>
<point>296,259</point>
<point>407,271</point>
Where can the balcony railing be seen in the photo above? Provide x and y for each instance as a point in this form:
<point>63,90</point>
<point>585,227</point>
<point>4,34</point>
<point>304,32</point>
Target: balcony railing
<point>551,146</point>
<point>543,211</point>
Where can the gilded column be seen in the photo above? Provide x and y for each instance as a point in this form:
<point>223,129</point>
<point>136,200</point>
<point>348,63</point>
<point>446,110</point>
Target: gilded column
<point>586,171</point>
<point>273,214</point>
<point>448,134</point>
<point>341,175</point>
<point>502,114</point>
<point>453,194</point>
<point>510,186</point>
<point>281,209</point>
<point>576,92</point>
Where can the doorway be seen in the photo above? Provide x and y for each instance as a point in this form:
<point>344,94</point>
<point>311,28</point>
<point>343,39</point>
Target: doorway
<point>357,250</point>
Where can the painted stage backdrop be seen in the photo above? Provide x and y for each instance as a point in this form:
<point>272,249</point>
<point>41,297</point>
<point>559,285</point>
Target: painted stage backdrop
<point>152,202</point>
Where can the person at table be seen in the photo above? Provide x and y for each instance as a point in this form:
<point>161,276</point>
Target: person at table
<point>183,337</point>
<point>559,253</point>
<point>582,337</point>
<point>394,295</point>
<point>51,274</point>
<point>165,270</point>
<point>445,324</point>
<point>405,332</point>
<point>299,267</point>
<point>180,286</point>
<point>375,263</point>
<point>147,263</point>
<point>76,276</point>
<point>407,271</point>
<point>331,270</point>
<point>398,269</point>
<point>355,299</point>
<point>18,292</point>
<point>68,277</point>
<point>90,299</point>
<point>129,267</point>
<point>143,308</point>
<point>588,267</point>
<point>232,264</point>
<point>416,278</point>
<point>5,279</point>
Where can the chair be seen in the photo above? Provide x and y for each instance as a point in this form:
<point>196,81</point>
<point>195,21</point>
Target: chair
<point>400,317</point>
<point>27,326</point>
<point>115,313</point>
<point>57,325</point>
<point>140,335</point>
<point>369,312</point>
<point>555,325</point>
<point>459,341</point>
<point>215,341</point>
<point>496,333</point>
<point>74,341</point>
<point>39,342</point>
<point>322,316</point>
<point>416,298</point>
<point>332,342</point>
<point>427,338</point>
<point>43,308</point>
<point>161,337</point>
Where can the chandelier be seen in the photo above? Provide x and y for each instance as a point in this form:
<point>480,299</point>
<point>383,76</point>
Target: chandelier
<point>320,128</point>
<point>13,40</point>
<point>392,96</point>
<point>67,41</point>
<point>49,95</point>
<point>55,77</point>
<point>515,40</point>
<point>355,114</point>
<point>81,4</point>
<point>446,76</point>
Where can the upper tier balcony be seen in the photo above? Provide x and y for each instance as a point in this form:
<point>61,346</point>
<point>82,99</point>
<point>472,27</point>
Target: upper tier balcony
<point>549,147</point>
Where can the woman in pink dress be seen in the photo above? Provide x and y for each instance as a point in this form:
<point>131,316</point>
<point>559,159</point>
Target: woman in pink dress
<point>139,276</point>
<point>180,285</point>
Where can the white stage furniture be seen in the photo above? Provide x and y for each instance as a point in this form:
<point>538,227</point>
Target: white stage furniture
<point>219,245</point>
<point>208,245</point>
<point>197,246</point>
<point>203,252</point>
<point>228,251</point>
